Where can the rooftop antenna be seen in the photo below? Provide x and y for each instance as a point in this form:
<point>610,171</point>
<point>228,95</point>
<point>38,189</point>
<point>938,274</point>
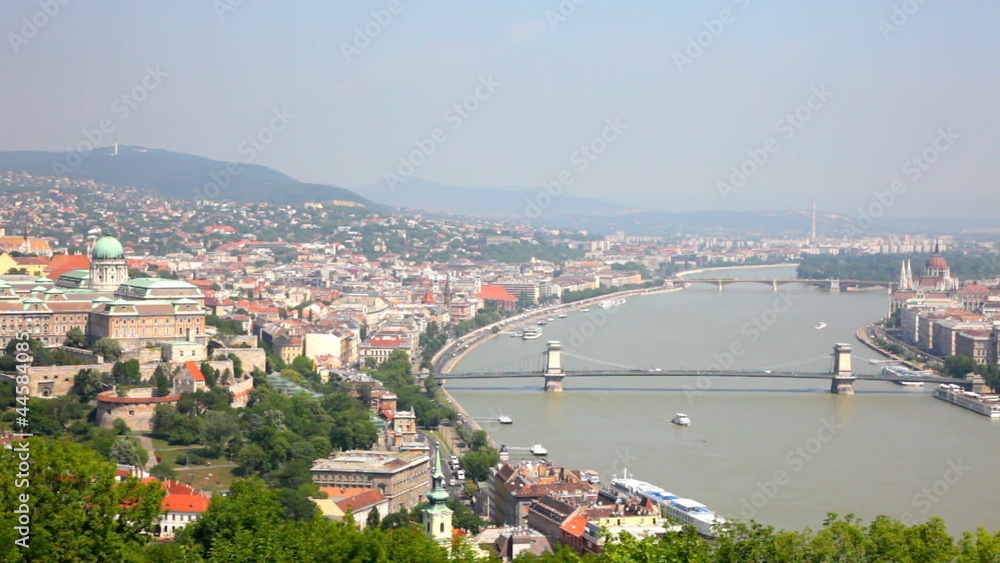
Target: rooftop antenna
<point>813,237</point>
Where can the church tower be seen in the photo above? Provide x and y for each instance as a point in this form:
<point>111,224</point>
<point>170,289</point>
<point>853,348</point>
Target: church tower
<point>437,515</point>
<point>108,269</point>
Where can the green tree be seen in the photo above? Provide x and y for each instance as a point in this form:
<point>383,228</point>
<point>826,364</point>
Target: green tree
<point>127,372</point>
<point>211,376</point>
<point>120,427</point>
<point>109,348</point>
<point>87,384</point>
<point>162,380</point>
<point>79,510</point>
<point>480,439</point>
<point>303,365</point>
<point>163,471</point>
<point>374,518</point>
<point>959,366</point>
<point>252,458</point>
<point>218,430</point>
<point>75,338</point>
<point>125,451</point>
<point>237,365</point>
<point>250,508</point>
<point>477,464</point>
<point>41,356</point>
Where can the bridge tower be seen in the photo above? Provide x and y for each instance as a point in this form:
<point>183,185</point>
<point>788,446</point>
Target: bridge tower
<point>774,285</point>
<point>553,367</point>
<point>720,285</point>
<point>834,286</point>
<point>843,378</point>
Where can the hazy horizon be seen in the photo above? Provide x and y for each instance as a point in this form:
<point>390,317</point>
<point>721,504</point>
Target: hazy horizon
<point>542,79</point>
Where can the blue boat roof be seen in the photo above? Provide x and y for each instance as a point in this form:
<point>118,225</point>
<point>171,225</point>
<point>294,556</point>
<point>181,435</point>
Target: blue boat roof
<point>692,509</point>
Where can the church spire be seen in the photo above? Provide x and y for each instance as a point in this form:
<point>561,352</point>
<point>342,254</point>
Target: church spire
<point>438,494</point>
<point>437,515</point>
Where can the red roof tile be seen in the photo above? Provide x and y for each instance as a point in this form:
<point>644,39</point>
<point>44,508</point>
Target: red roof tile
<point>195,370</point>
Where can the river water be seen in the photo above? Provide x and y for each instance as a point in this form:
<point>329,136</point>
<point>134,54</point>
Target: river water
<point>784,452</point>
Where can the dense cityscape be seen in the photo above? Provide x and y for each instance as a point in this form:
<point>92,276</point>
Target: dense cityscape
<point>499,282</point>
<point>212,349</point>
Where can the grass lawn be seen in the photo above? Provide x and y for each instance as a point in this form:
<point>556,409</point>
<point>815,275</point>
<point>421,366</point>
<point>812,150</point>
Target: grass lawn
<point>204,477</point>
<point>207,478</point>
<point>170,456</point>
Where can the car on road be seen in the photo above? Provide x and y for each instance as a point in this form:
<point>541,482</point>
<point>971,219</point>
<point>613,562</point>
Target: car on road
<point>451,482</point>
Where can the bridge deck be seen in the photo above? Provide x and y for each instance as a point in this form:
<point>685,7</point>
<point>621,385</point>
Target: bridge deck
<point>692,373</point>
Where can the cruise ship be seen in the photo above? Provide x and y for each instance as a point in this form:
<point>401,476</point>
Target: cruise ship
<point>611,303</point>
<point>531,333</point>
<point>986,405</point>
<point>901,371</point>
<point>684,511</point>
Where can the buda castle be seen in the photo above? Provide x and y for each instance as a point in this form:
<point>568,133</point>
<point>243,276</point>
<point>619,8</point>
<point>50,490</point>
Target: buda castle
<point>103,303</point>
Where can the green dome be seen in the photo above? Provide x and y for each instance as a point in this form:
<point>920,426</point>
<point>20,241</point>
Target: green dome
<point>108,248</point>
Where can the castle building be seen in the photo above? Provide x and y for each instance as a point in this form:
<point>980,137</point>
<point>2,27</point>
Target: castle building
<point>437,516</point>
<point>108,269</point>
<point>102,302</point>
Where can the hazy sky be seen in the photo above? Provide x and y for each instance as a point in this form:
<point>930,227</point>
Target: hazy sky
<point>557,80</point>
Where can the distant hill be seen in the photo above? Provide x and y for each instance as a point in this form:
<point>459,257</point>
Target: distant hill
<point>485,202</point>
<point>178,175</point>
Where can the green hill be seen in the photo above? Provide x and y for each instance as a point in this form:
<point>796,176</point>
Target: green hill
<point>178,175</point>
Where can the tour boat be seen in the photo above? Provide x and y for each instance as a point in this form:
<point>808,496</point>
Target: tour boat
<point>681,419</point>
<point>537,449</point>
<point>901,371</point>
<point>562,315</point>
<point>987,405</point>
<point>551,319</point>
<point>585,311</point>
<point>531,333</point>
<point>820,326</point>
<point>684,511</point>
<point>504,419</point>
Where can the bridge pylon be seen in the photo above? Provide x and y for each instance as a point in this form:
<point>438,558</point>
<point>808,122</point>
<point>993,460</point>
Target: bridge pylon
<point>835,286</point>
<point>843,378</point>
<point>553,367</point>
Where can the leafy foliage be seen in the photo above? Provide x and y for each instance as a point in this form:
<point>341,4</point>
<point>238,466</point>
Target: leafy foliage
<point>109,348</point>
<point>75,338</point>
<point>79,511</point>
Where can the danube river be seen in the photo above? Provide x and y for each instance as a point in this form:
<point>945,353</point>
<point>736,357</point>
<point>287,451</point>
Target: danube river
<point>784,452</point>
